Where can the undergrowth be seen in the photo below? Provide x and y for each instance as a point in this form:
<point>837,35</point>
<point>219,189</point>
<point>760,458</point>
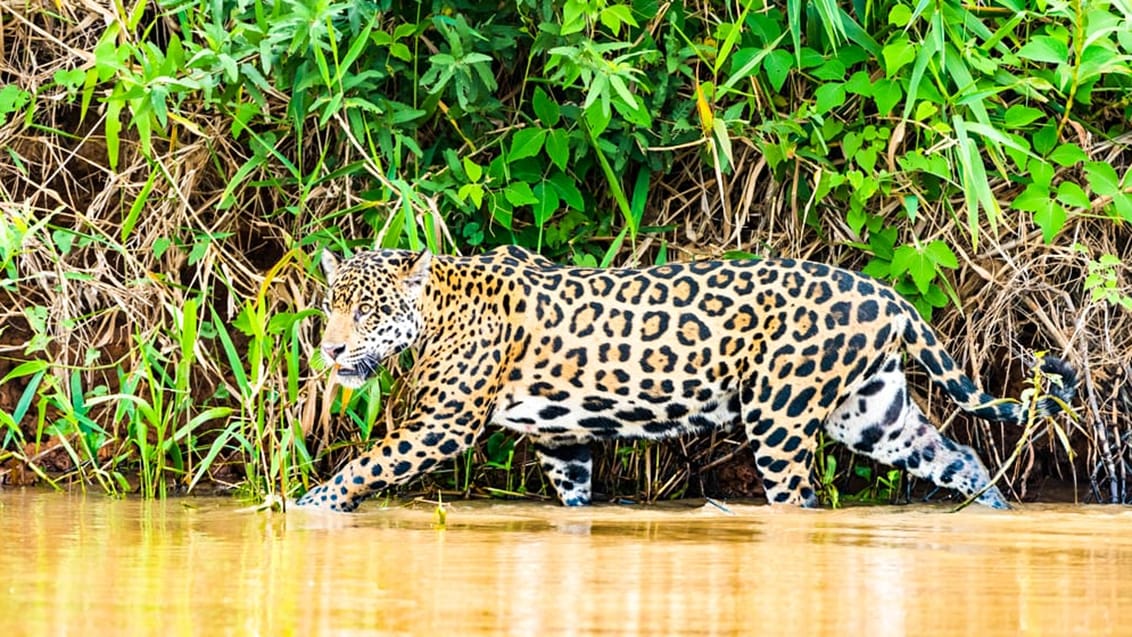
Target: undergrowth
<point>171,168</point>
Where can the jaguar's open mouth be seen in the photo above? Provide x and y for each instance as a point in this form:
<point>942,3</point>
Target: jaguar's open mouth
<point>355,375</point>
<point>350,376</point>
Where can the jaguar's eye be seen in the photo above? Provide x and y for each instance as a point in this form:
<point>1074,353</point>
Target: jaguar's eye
<point>363,310</point>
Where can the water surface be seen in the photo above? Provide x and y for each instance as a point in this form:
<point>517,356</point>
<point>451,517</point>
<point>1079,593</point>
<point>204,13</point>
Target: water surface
<point>91,565</point>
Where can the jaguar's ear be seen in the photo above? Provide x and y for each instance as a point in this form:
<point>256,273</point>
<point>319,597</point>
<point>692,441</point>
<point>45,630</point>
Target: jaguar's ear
<point>329,264</point>
<point>416,271</point>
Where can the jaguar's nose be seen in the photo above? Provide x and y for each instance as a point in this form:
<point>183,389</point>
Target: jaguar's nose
<point>332,351</point>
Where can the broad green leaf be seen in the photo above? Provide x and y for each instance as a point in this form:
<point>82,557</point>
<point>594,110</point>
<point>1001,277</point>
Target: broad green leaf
<point>907,259</point>
<point>1045,138</point>
<point>1041,172</point>
<point>1102,178</point>
<point>1032,199</point>
<point>519,193</point>
<point>474,192</point>
<point>897,54</point>
<point>598,118</point>
<point>1051,219</point>
<point>777,67</point>
<point>546,205</point>
<point>860,84</point>
<point>1123,205</point>
<point>1072,194</point>
<point>831,70</point>
<point>558,147</point>
<point>886,94</point>
<point>828,97</point>
<point>473,170</point>
<point>900,15</point>
<point>1068,155</point>
<point>1044,48</point>
<point>1019,115</point>
<point>614,16</point>
<point>911,207</point>
<point>546,109</point>
<point>941,253</point>
<point>568,190</point>
<point>526,143</point>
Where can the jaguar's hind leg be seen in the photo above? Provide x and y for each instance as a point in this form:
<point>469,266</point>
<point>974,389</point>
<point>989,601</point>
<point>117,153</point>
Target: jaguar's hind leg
<point>881,421</point>
<point>568,466</point>
<point>784,454</point>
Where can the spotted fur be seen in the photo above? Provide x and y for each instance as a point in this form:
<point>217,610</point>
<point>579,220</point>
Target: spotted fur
<point>567,356</point>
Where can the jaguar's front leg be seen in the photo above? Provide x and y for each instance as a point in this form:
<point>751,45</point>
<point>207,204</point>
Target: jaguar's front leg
<point>404,454</point>
<point>447,418</point>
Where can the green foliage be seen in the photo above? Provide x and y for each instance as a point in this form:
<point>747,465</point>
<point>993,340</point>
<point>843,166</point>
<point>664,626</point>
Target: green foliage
<point>1103,280</point>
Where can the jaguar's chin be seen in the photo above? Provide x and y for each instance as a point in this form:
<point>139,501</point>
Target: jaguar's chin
<point>350,377</point>
<point>356,375</point>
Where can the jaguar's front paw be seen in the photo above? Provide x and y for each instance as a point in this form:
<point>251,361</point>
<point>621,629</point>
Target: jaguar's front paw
<point>324,499</point>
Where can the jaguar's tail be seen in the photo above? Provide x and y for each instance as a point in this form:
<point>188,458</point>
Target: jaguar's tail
<point>921,343</point>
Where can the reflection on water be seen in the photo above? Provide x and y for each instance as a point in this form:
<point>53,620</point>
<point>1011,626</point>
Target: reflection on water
<point>90,565</point>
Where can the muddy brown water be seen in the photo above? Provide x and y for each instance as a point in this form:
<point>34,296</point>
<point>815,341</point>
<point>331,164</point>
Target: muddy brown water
<point>75,565</point>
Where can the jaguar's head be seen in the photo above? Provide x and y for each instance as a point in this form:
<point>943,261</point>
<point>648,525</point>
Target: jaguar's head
<point>372,309</point>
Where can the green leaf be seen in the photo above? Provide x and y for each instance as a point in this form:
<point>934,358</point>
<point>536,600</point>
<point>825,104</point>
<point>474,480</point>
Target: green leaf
<point>897,54</point>
<point>139,204</point>
<point>1018,115</point>
<point>900,15</point>
<point>777,67</point>
<point>744,61</point>
<point>473,170</point>
<point>887,94</point>
<point>831,70</point>
<point>526,143</point>
<point>909,260</point>
<point>1102,178</point>
<point>473,192</point>
<point>26,368</point>
<point>828,97</point>
<point>941,253</point>
<point>546,205</point>
<point>1045,138</point>
<point>1041,173</point>
<point>614,16</point>
<point>558,147</point>
<point>112,129</point>
<point>860,84</point>
<point>1072,194</point>
<point>1068,155</point>
<point>1032,199</point>
<point>1051,219</point>
<point>598,118</point>
<point>1044,48</point>
<point>568,190</point>
<point>519,193</point>
<point>1123,205</point>
<point>545,108</point>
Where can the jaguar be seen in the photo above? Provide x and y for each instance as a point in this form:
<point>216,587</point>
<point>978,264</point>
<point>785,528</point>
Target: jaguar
<point>569,355</point>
